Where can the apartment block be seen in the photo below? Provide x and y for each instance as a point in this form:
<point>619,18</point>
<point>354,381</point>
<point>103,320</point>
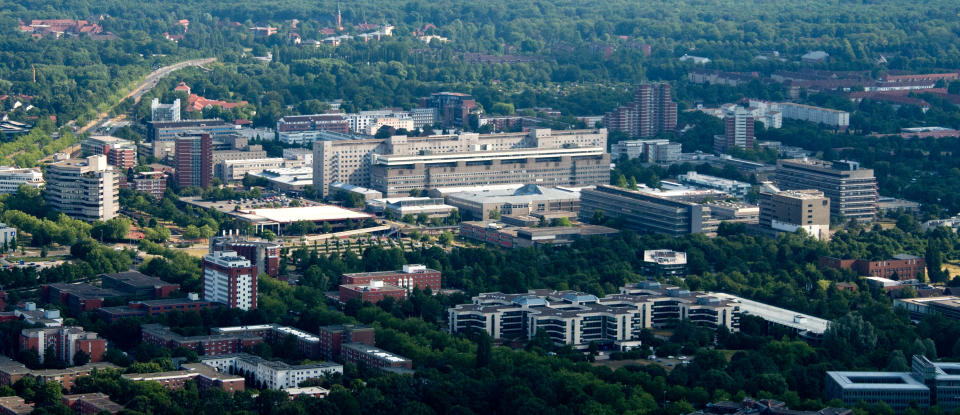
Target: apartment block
<point>15,405</point>
<point>410,277</point>
<point>830,117</point>
<point>194,160</point>
<point>646,211</point>
<point>153,183</point>
<point>465,159</point>
<point>332,338</point>
<point>85,189</point>
<point>207,345</point>
<point>120,153</point>
<point>737,131</point>
<point>852,189</point>
<point>364,354</point>
<point>307,343</point>
<point>91,403</point>
<point>264,255</point>
<point>11,178</point>
<point>229,279</point>
<point>63,342</point>
<point>206,377</point>
<point>789,210</point>
<point>268,373</point>
<point>652,112</point>
<point>155,307</point>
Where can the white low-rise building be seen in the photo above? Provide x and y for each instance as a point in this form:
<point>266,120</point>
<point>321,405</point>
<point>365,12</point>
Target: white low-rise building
<point>270,374</point>
<point>11,178</point>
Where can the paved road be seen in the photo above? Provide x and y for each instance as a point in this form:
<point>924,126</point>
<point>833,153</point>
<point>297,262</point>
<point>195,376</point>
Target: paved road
<point>146,85</point>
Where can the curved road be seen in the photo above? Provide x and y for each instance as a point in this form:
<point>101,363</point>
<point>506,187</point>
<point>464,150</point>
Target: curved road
<point>148,83</point>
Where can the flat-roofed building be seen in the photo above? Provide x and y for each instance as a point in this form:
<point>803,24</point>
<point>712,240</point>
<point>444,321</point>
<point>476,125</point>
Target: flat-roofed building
<point>270,374</point>
<point>236,170</point>
<point>375,357</point>
<point>163,134</point>
<point>790,210</point>
<point>398,207</point>
<point>578,319</point>
<point>153,183</point>
<point>374,292</point>
<point>818,115</point>
<point>15,405</point>
<point>646,211</point>
<point>734,212</point>
<point>506,236</point>
<point>332,338</point>
<point>230,279</point>
<point>11,178</point>
<point>91,403</point>
<point>65,342</point>
<point>927,384</point>
<point>852,189</point>
<point>576,167</point>
<point>662,263</point>
<point>522,201</point>
<point>164,112</point>
<point>85,189</point>
<point>120,153</point>
<point>410,277</point>
<point>733,187</point>
<point>948,306</point>
<point>304,129</point>
<point>472,159</point>
<point>138,284</point>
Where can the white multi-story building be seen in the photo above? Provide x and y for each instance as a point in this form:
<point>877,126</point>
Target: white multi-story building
<point>423,117</point>
<point>85,189</point>
<point>733,187</point>
<point>234,170</point>
<point>230,279</point>
<point>649,151</point>
<point>164,112</point>
<point>819,115</point>
<point>7,234</point>
<point>350,161</point>
<point>394,122</point>
<point>268,373</point>
<point>11,178</point>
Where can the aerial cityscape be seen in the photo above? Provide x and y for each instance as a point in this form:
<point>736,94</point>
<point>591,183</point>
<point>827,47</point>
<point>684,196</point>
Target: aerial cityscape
<point>531,207</point>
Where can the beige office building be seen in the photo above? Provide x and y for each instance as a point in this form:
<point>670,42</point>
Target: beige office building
<point>351,161</point>
<point>789,210</point>
<point>852,190</point>
<point>85,189</point>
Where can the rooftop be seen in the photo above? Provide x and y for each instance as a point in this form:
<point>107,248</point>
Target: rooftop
<point>877,380</point>
<point>525,194</point>
<point>294,214</point>
<point>375,351</point>
<point>779,315</point>
<point>136,279</point>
